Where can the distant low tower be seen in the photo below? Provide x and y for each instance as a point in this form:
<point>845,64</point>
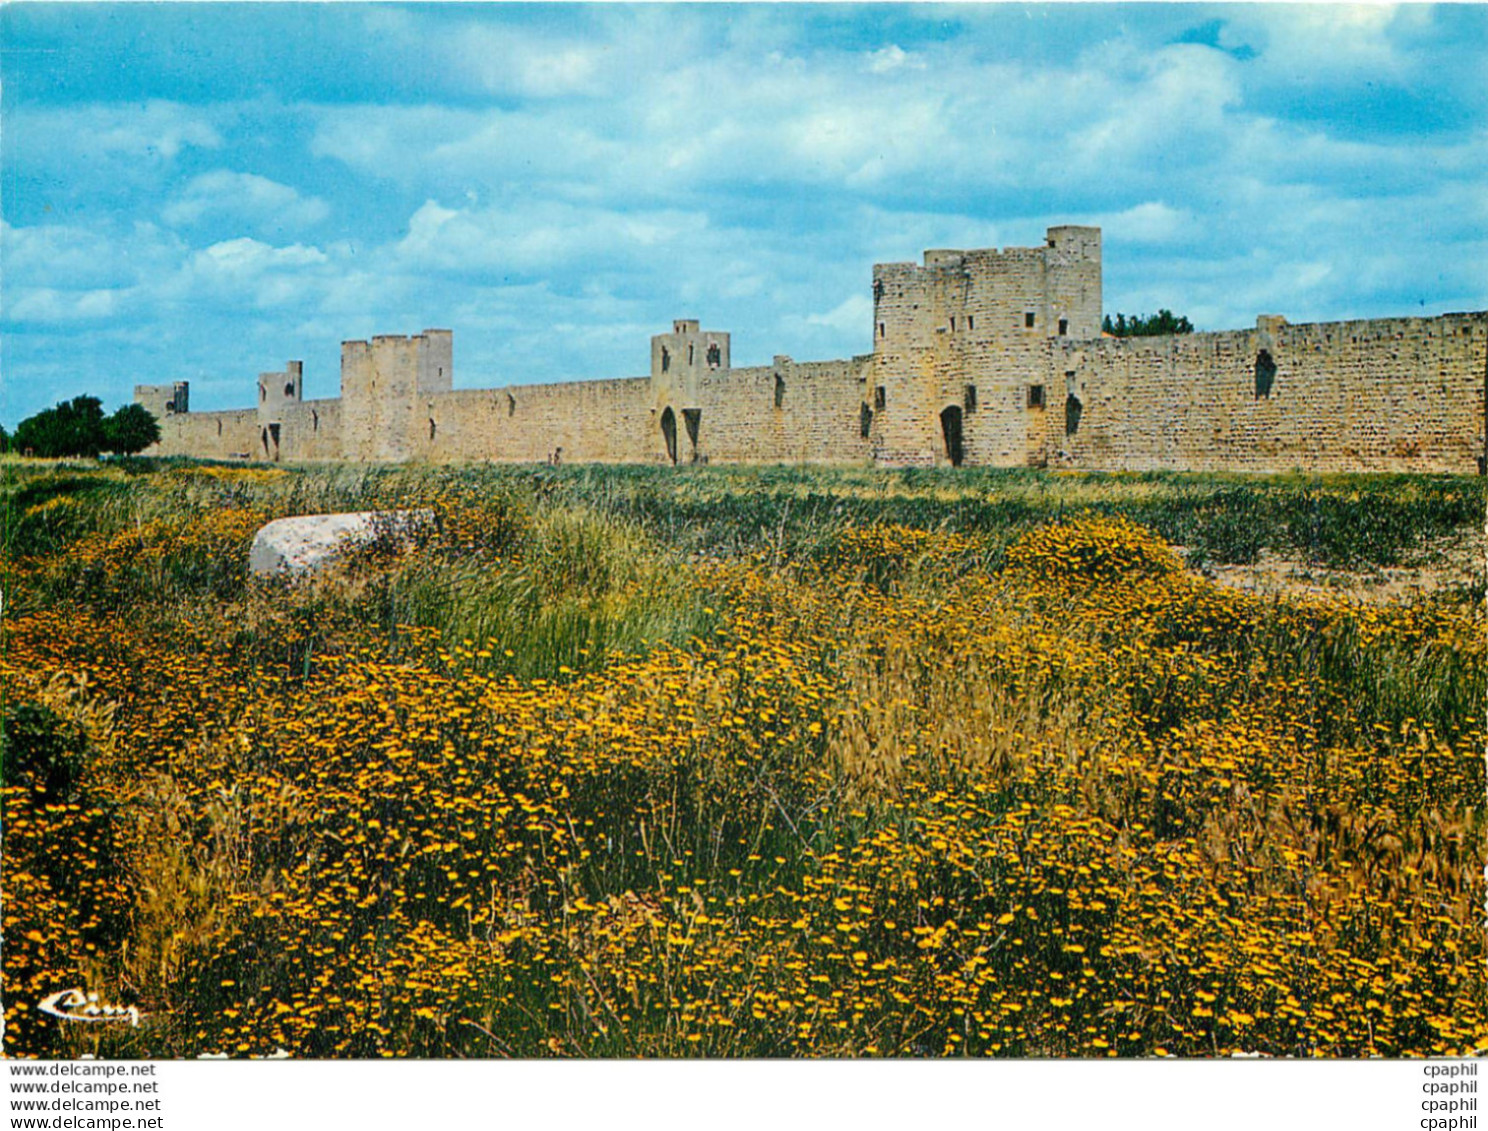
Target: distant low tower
<point>275,391</point>
<point>680,361</point>
<point>164,400</point>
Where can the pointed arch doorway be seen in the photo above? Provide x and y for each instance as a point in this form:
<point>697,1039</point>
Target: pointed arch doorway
<point>950,429</point>
<point>669,433</point>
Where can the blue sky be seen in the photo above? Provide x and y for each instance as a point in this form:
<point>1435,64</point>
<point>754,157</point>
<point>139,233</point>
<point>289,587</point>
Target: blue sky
<point>204,191</point>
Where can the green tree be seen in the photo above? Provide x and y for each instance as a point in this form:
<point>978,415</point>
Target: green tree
<point>73,428</point>
<point>130,429</point>
<point>1147,326</point>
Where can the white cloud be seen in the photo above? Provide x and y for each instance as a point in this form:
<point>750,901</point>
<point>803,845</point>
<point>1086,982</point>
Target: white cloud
<point>160,129</point>
<point>244,197</point>
<point>55,254</point>
<point>246,256</point>
<point>62,273</point>
<point>505,60</point>
<point>1149,222</point>
<point>1312,44</point>
<point>44,304</point>
<point>893,58</point>
<point>1175,107</point>
<point>542,236</point>
<point>126,135</point>
<point>852,315</point>
<point>247,274</point>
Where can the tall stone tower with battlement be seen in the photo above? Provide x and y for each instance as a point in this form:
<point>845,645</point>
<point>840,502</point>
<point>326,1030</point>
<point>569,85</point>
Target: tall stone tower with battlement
<point>956,339</point>
<point>385,387</point>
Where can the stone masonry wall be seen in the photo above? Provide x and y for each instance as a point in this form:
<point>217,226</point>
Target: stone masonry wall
<point>792,412</point>
<point>311,430</point>
<point>1401,394</point>
<point>580,421</point>
<point>982,357</point>
<point>308,430</point>
<point>233,434</point>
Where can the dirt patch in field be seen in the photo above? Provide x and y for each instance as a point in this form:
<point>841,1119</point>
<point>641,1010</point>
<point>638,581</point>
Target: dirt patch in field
<point>1457,562</point>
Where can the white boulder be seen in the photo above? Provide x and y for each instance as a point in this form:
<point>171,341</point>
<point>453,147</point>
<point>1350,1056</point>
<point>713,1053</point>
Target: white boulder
<point>312,541</point>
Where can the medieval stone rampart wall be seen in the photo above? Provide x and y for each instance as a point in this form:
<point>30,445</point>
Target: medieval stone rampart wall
<point>1399,394</point>
<point>599,421</point>
<point>311,430</point>
<point>988,357</point>
<point>231,434</point>
<point>789,411</point>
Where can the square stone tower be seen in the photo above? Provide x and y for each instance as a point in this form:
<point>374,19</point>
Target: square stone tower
<point>164,400</point>
<point>383,382</point>
<point>679,361</point>
<point>961,347</point>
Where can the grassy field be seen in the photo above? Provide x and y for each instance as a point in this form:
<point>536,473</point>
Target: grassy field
<point>766,762</point>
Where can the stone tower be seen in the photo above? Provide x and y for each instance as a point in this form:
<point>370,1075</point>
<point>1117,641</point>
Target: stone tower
<point>679,362</point>
<point>164,400</point>
<point>961,346</point>
<point>385,386</point>
<point>276,391</point>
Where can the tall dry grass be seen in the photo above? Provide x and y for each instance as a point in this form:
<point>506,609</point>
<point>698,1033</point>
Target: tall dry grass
<point>769,770</point>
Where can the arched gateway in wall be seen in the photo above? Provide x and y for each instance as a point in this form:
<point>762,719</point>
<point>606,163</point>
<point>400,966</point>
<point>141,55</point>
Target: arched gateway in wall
<point>669,433</point>
<point>950,431</point>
